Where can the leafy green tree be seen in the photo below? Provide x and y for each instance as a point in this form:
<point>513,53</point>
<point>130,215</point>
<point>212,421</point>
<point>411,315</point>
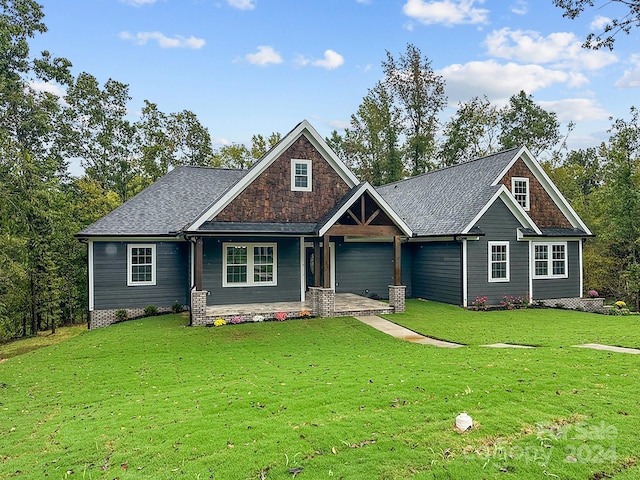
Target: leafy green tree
<point>239,156</point>
<point>190,140</point>
<point>628,19</point>
<point>522,122</point>
<point>471,133</point>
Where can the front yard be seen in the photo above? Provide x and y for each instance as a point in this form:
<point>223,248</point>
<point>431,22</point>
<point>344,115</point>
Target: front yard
<point>327,398</point>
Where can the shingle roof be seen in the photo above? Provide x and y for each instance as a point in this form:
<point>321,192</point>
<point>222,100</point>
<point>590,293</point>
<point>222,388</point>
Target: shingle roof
<point>445,201</point>
<point>259,227</point>
<point>169,204</point>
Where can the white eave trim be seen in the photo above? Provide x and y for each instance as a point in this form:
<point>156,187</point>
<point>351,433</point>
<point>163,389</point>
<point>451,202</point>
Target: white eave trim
<point>303,128</point>
<point>366,187</point>
<point>549,186</point>
<point>515,208</point>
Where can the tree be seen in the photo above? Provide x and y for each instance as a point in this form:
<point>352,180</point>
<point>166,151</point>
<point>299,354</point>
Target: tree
<point>190,140</point>
<point>522,122</point>
<point>419,95</point>
<point>471,133</point>
<point>623,23</point>
<point>239,156</point>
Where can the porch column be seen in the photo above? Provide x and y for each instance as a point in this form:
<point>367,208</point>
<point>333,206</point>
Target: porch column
<point>198,308</point>
<point>397,291</point>
<point>316,262</point>
<point>326,258</point>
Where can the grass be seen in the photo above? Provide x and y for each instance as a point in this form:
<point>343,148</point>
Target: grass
<point>152,398</point>
<point>42,339</point>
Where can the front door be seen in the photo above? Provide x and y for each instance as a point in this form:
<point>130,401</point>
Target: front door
<point>309,261</point>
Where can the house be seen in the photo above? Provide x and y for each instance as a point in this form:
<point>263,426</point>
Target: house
<point>298,226</point>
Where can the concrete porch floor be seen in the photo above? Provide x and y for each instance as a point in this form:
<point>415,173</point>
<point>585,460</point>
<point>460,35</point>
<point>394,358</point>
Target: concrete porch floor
<point>346,304</point>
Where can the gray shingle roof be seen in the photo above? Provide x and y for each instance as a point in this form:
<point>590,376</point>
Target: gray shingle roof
<point>169,204</point>
<point>444,202</point>
<point>259,227</point>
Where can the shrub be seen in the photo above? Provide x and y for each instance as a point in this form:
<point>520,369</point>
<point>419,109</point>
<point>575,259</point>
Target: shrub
<point>219,322</point>
<point>177,307</point>
<point>304,314</point>
<point>121,315</point>
<point>480,303</point>
<point>150,310</point>
<point>507,302</point>
<point>258,318</point>
<point>281,316</point>
<point>620,305</point>
<point>592,293</point>
<point>237,319</point>
<point>523,302</point>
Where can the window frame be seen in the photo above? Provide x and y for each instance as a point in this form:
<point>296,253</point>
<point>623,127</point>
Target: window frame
<point>250,264</point>
<point>309,176</point>
<point>550,260</point>
<point>137,283</point>
<point>527,205</point>
<point>491,262</point>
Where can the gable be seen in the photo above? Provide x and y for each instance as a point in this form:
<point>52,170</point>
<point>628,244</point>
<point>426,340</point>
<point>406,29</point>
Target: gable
<point>269,197</point>
<point>543,210</point>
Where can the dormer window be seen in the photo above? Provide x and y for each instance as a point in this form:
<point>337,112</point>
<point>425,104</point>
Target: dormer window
<point>520,191</point>
<point>301,175</point>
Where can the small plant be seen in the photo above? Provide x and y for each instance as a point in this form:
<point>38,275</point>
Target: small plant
<point>592,293</point>
<point>121,315</point>
<point>480,303</point>
<point>508,302</point>
<point>304,314</point>
<point>218,322</point>
<point>620,305</point>
<point>237,319</point>
<point>150,310</point>
<point>177,307</point>
<point>281,316</point>
<point>258,318</point>
<point>523,302</point>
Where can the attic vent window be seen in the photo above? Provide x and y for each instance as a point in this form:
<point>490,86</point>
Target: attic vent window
<point>301,175</point>
<point>520,190</point>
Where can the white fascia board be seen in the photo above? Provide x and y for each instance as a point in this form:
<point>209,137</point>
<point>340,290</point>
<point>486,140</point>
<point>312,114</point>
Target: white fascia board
<point>513,206</point>
<point>538,172</point>
<point>90,273</point>
<point>271,156</point>
<point>366,187</point>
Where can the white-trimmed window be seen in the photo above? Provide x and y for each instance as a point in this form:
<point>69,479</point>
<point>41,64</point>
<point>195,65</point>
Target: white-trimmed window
<point>141,264</point>
<point>550,260</point>
<point>301,175</point>
<point>249,264</point>
<point>498,261</point>
<point>520,191</point>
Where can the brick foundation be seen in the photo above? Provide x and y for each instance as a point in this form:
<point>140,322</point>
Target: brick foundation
<point>397,297</point>
<point>575,303</point>
<point>104,318</point>
<point>199,307</point>
<point>324,302</point>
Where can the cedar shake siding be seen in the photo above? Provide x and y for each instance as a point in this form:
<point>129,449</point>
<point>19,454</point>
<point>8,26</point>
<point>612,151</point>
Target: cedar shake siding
<point>288,273</point>
<point>561,287</point>
<point>436,271</point>
<point>269,197</point>
<point>110,277</point>
<point>542,209</point>
<point>499,225</point>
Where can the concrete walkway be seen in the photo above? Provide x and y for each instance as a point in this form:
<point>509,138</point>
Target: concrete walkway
<point>598,346</point>
<point>403,333</point>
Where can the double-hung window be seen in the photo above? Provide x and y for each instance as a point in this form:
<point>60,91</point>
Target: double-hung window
<point>300,175</point>
<point>141,264</point>
<point>520,191</point>
<point>249,264</point>
<point>550,260</point>
<point>498,261</point>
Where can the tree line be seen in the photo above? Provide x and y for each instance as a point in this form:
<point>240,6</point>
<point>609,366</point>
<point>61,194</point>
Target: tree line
<point>396,132</point>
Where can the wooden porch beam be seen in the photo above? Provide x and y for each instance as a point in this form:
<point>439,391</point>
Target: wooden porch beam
<point>353,215</point>
<point>365,230</point>
<point>373,215</point>
<point>198,264</point>
<point>326,257</point>
<point>397,261</point>
<point>362,209</point>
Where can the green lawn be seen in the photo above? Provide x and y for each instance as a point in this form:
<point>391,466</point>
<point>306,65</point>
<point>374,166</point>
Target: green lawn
<point>155,399</point>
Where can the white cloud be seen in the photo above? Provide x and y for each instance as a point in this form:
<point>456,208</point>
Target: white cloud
<point>520,7</point>
<point>48,87</point>
<point>141,38</point>
<point>331,60</point>
<point>575,109</point>
<point>242,4</point>
<point>561,49</point>
<point>599,23</point>
<point>338,124</point>
<point>447,12</point>
<point>138,3</point>
<point>500,81</point>
<point>264,56</point>
<point>364,2</point>
<point>631,77</point>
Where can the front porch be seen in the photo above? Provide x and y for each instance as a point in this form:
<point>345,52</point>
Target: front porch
<point>346,304</point>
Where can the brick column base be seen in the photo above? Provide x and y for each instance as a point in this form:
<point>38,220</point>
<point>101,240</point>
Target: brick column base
<point>397,295</point>
<point>198,307</point>
<point>325,302</point>
<point>312,299</point>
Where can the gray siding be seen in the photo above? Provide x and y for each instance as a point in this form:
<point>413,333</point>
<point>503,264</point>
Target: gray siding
<point>498,224</point>
<point>562,287</point>
<point>367,268</point>
<point>287,289</point>
<point>110,277</point>
<point>436,271</point>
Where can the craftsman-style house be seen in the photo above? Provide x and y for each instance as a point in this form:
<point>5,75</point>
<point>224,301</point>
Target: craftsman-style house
<point>299,227</point>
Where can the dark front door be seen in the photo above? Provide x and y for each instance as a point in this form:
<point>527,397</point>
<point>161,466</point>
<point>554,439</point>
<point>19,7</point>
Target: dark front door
<point>310,262</point>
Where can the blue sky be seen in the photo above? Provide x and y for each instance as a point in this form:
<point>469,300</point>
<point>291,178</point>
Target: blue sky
<point>258,66</point>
